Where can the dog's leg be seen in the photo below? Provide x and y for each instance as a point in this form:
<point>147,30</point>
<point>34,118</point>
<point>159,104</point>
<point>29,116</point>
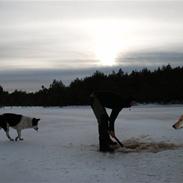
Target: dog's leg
<point>7,133</point>
<point>19,135</point>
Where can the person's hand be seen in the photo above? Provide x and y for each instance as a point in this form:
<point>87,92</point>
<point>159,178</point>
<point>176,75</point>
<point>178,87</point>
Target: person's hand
<point>112,133</point>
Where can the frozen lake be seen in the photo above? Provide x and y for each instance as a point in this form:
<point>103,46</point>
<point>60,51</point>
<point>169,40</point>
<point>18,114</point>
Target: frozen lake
<point>66,147</point>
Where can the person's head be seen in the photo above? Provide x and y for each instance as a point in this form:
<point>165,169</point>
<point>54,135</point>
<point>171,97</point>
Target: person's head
<point>130,101</point>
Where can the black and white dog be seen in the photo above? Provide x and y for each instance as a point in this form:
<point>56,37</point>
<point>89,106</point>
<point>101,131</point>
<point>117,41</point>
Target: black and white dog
<point>17,122</point>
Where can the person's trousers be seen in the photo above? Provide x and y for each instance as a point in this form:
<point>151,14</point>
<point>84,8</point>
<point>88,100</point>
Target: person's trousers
<point>103,126</point>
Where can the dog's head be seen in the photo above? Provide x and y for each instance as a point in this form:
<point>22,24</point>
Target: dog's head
<point>35,123</point>
<point>179,123</point>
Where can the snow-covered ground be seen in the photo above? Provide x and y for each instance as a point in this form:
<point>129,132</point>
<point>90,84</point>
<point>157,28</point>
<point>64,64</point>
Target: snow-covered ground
<point>65,149</point>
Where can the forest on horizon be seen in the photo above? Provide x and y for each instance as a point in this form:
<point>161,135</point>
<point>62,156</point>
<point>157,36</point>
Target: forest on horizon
<point>163,85</point>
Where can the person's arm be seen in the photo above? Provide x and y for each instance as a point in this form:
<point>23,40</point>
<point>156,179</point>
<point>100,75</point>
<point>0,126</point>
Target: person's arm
<point>112,119</point>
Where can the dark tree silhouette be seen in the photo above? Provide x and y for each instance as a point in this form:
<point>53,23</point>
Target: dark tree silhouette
<point>163,85</point>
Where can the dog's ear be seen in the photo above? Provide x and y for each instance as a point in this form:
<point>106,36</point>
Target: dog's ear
<point>38,119</point>
<point>35,121</point>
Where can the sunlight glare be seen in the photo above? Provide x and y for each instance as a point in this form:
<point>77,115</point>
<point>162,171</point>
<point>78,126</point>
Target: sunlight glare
<point>109,42</point>
<point>106,50</point>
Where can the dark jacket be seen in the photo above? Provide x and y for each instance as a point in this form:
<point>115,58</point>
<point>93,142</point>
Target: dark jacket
<point>113,101</point>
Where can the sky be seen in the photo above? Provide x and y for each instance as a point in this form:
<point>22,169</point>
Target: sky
<point>45,40</point>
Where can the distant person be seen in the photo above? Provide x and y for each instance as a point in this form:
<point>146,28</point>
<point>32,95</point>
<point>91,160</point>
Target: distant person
<point>105,99</point>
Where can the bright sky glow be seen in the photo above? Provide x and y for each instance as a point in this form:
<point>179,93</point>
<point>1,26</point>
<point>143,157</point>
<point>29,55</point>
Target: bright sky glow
<point>54,34</point>
<point>109,41</point>
<point>65,35</point>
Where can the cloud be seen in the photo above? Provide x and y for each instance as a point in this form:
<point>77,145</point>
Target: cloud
<point>42,41</point>
<point>56,33</point>
<point>32,80</point>
<point>152,58</point>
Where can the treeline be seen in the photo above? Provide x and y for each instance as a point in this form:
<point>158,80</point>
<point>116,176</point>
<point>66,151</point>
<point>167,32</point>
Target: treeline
<point>163,85</point>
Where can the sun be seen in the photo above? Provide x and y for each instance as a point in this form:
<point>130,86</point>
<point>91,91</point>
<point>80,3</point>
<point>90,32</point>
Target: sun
<point>110,39</point>
<point>106,50</point>
<point>108,42</point>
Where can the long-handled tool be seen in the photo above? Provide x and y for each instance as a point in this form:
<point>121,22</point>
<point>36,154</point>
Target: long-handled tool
<point>113,136</point>
<point>117,140</point>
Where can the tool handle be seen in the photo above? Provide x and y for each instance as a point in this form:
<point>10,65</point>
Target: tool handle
<point>117,140</point>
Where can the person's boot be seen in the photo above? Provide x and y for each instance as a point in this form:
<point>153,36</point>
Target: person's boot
<point>106,149</point>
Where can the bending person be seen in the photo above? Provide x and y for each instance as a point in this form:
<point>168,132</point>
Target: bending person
<point>101,100</point>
